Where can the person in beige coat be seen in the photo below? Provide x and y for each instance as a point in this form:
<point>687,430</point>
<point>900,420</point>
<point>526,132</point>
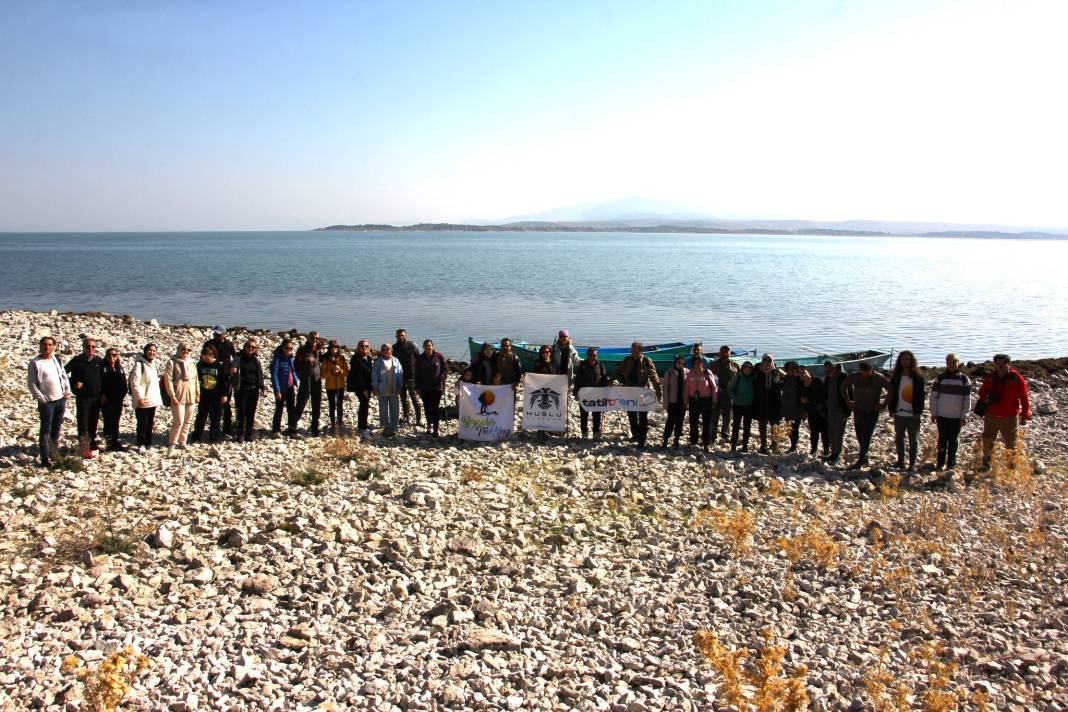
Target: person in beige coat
<point>183,387</point>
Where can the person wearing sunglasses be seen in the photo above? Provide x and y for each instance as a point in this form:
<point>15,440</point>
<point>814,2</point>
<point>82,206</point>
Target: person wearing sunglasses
<point>359,382</point>
<point>246,377</point>
<point>112,398</point>
<point>85,372</point>
<point>334,369</point>
<point>544,364</point>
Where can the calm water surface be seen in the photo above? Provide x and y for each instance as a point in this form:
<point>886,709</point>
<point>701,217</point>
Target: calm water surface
<point>783,294</point>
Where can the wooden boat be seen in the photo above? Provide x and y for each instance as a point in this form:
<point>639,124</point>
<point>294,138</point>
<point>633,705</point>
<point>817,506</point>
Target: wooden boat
<point>849,360</point>
<point>662,355</point>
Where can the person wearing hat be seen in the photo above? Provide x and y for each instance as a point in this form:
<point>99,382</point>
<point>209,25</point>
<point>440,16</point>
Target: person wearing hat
<point>225,351</point>
<point>565,358</point>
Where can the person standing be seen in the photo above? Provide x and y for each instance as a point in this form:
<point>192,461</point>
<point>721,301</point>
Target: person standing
<point>564,356</point>
<point>813,396</point>
<point>482,365</point>
<point>544,363</point>
<point>792,410</point>
<point>675,400</point>
<point>589,373</point>
<point>867,387</point>
<point>112,397</point>
<point>637,371</point>
<point>225,352</point>
<point>697,353</point>
<point>214,381</point>
<point>905,401</point>
<point>724,369</point>
<point>836,402</point>
<point>951,401</point>
<point>1008,404</point>
<point>145,395</point>
<point>309,375</point>
<point>701,393</point>
<point>335,370</point>
<point>431,370</point>
<point>767,399</point>
<point>284,381</point>
<point>387,383</point>
<point>50,387</point>
<point>183,387</point>
<point>246,378</point>
<point>507,369</point>
<point>406,352</point>
<point>85,373</point>
<point>359,382</point>
<point>741,391</point>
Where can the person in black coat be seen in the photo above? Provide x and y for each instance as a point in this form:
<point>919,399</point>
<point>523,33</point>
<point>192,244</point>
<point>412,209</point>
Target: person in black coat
<point>225,351</point>
<point>112,396</point>
<point>482,365</point>
<point>407,352</point>
<point>246,379</point>
<point>767,398</point>
<point>214,393</point>
<point>86,372</point>
<point>359,382</point>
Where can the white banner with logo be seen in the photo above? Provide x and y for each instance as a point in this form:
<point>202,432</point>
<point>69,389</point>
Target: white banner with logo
<point>545,402</point>
<point>487,413</point>
<point>618,398</point>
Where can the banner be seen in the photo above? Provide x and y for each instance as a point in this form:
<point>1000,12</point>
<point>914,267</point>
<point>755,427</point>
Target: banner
<point>545,402</point>
<point>487,413</point>
<point>618,398</point>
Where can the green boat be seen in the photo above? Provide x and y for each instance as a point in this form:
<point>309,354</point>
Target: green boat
<point>849,360</point>
<point>662,355</point>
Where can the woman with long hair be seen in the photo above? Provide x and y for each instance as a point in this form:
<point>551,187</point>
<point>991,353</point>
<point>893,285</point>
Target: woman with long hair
<point>112,396</point>
<point>246,377</point>
<point>905,405</point>
<point>335,370</point>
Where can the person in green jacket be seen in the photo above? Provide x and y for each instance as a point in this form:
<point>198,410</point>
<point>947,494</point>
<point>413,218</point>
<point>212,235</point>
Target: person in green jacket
<point>741,390</point>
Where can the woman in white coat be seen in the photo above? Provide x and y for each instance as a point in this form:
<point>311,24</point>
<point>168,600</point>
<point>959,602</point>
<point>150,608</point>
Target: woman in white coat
<point>144,391</point>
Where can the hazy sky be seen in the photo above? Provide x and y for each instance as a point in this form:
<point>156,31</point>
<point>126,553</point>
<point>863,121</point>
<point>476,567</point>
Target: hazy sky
<point>263,115</point>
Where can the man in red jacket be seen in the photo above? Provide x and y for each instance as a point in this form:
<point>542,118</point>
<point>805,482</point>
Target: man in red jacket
<point>1007,405</point>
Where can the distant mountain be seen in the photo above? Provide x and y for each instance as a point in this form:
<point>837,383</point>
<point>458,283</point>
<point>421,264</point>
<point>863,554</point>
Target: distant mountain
<point>647,215</point>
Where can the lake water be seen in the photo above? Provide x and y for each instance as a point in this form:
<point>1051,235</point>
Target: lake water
<point>783,294</point>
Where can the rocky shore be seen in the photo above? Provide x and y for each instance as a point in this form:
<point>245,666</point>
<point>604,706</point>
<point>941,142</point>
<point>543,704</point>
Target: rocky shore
<point>540,573</point>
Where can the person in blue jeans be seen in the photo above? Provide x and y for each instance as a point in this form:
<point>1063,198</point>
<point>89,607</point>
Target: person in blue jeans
<point>285,382</point>
<point>387,382</point>
<point>48,382</point>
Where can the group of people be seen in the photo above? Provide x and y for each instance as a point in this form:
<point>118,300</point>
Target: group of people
<point>220,391</point>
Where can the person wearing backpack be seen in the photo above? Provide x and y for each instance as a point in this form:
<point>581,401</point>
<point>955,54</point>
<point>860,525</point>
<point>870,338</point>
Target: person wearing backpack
<point>1005,404</point>
<point>589,373</point>
<point>145,395</point>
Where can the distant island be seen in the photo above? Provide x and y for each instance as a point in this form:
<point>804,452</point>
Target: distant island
<point>683,228</point>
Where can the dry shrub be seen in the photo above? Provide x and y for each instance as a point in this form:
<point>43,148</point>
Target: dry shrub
<point>105,686</point>
<point>735,526</point>
<point>469,474</point>
<point>813,546</point>
<point>891,487</point>
<point>771,690</point>
<point>885,694</point>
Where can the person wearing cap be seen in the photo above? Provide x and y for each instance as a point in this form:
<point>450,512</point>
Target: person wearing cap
<point>724,369</point>
<point>86,372</point>
<point>867,388</point>
<point>183,387</point>
<point>637,371</point>
<point>951,401</point>
<point>1007,404</point>
<point>589,373</point>
<point>225,352</point>
<point>50,387</point>
<point>565,358</point>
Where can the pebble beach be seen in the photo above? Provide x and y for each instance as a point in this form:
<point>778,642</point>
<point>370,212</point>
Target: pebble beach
<point>540,573</point>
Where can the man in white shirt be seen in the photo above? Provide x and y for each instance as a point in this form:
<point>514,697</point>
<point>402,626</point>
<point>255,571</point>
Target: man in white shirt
<point>50,387</point>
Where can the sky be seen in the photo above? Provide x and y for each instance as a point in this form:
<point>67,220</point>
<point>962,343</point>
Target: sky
<point>203,115</point>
